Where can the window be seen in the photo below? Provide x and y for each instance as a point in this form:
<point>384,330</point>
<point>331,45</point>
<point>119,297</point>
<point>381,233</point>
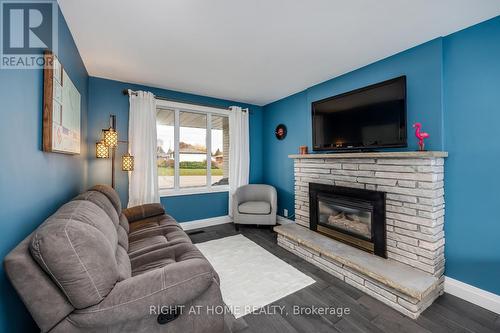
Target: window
<point>165,122</point>
<point>193,148</point>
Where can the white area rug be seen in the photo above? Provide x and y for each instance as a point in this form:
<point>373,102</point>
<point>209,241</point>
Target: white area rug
<point>251,277</point>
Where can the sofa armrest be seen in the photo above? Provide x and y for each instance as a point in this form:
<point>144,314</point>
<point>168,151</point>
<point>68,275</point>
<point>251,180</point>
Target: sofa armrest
<point>137,213</point>
<point>138,297</point>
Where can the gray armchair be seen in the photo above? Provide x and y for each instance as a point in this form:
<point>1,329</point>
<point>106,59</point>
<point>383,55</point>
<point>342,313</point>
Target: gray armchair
<point>255,204</point>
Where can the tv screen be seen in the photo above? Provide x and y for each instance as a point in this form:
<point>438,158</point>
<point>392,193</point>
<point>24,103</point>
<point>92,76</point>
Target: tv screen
<point>367,118</point>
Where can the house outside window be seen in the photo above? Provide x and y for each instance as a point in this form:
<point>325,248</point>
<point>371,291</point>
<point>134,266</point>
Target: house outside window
<point>192,148</point>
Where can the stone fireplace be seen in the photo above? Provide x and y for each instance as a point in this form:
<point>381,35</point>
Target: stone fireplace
<point>350,215</point>
<point>389,205</point>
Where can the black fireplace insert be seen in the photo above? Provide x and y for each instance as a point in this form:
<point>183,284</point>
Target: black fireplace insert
<point>350,215</point>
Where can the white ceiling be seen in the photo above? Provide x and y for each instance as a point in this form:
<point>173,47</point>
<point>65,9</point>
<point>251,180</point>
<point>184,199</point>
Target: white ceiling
<point>254,51</point>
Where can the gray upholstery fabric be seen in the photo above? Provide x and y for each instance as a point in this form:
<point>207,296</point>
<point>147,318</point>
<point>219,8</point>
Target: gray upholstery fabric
<point>74,273</point>
<point>78,256</point>
<point>89,213</point>
<point>144,211</point>
<point>124,222</point>
<point>111,194</point>
<point>123,264</point>
<point>122,237</point>
<point>255,207</point>
<point>191,278</point>
<point>248,204</point>
<point>140,229</point>
<point>187,322</point>
<point>102,201</point>
<point>164,256</point>
<point>156,239</point>
<point>45,300</point>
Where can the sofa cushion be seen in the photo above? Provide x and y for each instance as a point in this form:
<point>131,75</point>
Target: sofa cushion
<point>123,263</point>
<point>43,298</point>
<point>165,256</point>
<point>255,207</point>
<point>124,223</point>
<point>89,213</point>
<point>143,211</point>
<point>143,245</point>
<point>122,237</point>
<point>138,228</point>
<point>102,201</point>
<point>76,251</point>
<point>111,194</point>
<point>155,239</point>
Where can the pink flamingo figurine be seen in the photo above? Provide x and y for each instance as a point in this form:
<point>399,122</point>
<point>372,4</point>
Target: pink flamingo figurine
<point>420,136</point>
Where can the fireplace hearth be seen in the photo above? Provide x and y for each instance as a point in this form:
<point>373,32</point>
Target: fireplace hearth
<point>350,215</point>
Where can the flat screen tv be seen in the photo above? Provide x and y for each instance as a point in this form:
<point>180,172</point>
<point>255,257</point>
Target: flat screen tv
<point>364,119</point>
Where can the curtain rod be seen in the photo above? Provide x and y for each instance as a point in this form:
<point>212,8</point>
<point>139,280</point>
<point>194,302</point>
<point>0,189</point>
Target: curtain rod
<point>126,92</point>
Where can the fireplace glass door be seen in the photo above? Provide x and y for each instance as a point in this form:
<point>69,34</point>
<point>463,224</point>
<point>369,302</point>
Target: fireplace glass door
<point>350,215</point>
<point>354,218</point>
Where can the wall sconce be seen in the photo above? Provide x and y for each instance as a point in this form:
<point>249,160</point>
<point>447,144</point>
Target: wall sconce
<point>127,162</point>
<point>110,141</point>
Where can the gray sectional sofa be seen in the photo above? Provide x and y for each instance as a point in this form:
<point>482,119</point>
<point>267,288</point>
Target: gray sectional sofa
<point>93,267</point>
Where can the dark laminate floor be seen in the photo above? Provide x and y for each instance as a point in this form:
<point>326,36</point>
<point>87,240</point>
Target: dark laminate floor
<point>447,314</point>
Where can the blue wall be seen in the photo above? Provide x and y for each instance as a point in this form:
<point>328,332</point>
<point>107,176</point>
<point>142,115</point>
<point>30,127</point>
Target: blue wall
<point>292,111</point>
<point>472,118</point>
<point>105,98</point>
<point>423,67</point>
<point>454,90</point>
<point>33,184</point>
<point>197,206</point>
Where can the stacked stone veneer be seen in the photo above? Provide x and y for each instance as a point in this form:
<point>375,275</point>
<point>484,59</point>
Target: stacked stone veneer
<point>409,304</point>
<point>414,187</point>
<point>414,200</point>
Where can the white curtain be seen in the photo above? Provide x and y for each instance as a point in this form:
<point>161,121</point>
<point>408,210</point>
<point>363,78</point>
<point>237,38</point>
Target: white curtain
<point>143,181</point>
<point>239,151</point>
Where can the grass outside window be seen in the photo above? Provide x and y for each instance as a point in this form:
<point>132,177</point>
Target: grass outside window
<point>163,171</point>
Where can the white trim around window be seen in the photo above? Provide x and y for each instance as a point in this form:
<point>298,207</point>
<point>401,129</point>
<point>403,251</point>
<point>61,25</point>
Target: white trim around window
<point>160,103</point>
<point>170,192</point>
<point>208,111</point>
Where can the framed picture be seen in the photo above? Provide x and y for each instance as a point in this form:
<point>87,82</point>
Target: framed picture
<point>61,109</point>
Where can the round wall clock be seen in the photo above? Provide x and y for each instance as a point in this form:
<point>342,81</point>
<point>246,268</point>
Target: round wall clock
<point>280,132</point>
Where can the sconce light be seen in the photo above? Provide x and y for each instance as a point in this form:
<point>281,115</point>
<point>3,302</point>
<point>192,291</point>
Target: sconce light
<point>127,162</point>
<point>110,137</point>
<point>101,150</point>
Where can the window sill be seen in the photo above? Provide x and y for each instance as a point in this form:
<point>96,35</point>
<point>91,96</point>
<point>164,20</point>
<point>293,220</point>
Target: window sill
<point>194,190</point>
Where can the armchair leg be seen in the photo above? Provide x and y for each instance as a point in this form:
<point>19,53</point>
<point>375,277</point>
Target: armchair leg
<point>237,227</point>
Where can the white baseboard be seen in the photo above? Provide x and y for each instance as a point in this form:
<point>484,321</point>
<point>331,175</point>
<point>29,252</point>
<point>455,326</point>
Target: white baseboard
<point>283,220</point>
<point>221,220</point>
<point>206,222</point>
<point>477,296</point>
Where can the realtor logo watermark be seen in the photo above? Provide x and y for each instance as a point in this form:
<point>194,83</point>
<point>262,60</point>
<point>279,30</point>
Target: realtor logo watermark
<point>27,29</point>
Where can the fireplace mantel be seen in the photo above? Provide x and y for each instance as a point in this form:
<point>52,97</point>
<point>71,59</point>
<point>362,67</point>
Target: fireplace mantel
<point>396,154</point>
